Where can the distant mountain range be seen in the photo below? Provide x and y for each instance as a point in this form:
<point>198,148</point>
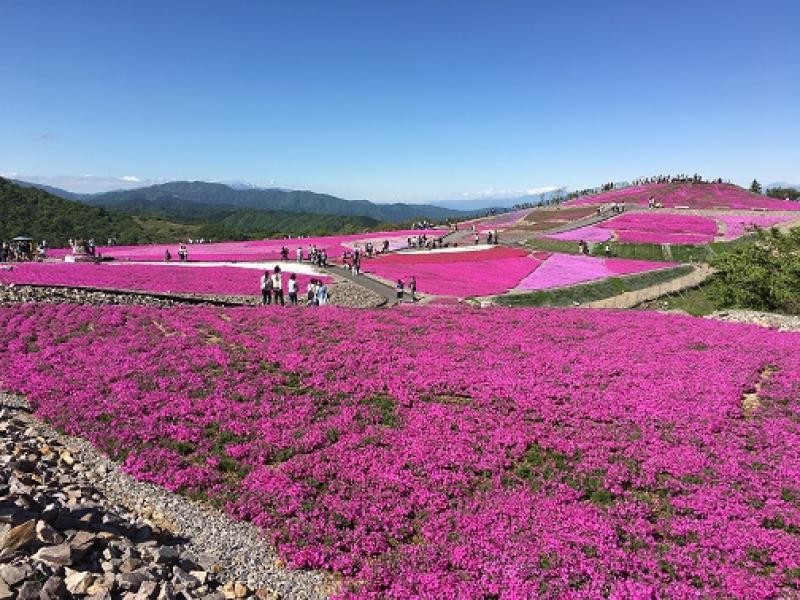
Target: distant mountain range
<point>498,202</point>
<point>42,214</point>
<point>187,197</point>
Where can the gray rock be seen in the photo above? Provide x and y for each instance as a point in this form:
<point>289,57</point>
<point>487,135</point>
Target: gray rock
<point>166,555</point>
<point>14,574</point>
<point>48,535</point>
<point>53,589</point>
<point>55,556</point>
<point>78,582</point>
<point>5,591</point>
<point>29,591</point>
<point>19,537</point>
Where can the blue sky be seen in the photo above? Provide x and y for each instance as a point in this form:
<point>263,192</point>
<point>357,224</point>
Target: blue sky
<point>400,100</point>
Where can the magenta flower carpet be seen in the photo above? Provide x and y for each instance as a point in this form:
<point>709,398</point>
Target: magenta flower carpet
<point>470,454</point>
<point>225,281</point>
<point>471,273</point>
<point>258,250</point>
<point>698,196</point>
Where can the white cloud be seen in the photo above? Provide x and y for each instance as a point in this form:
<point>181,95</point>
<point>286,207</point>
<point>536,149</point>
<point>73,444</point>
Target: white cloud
<point>87,184</point>
<point>492,193</point>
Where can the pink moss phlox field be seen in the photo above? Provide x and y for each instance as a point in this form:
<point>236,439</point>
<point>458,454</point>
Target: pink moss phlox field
<point>562,270</point>
<point>473,273</point>
<point>227,281</point>
<point>588,233</point>
<point>697,196</point>
<point>466,454</point>
<point>661,228</point>
<point>258,250</point>
<point>737,225</point>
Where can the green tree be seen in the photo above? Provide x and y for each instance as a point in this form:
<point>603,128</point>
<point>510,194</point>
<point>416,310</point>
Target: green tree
<point>764,275</point>
<point>782,193</point>
<point>755,187</point>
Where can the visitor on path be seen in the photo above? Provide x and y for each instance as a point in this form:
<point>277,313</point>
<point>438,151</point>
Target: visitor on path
<point>183,253</point>
<point>299,254</point>
<point>495,236</point>
<point>293,289</point>
<point>284,253</point>
<point>167,255</point>
<point>277,286</point>
<point>322,293</point>
<point>489,238</point>
<point>311,292</point>
<point>413,286</point>
<point>400,287</point>
<point>266,288</point>
<point>607,250</point>
<point>477,238</point>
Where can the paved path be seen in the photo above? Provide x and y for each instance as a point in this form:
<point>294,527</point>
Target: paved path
<point>386,292</point>
<point>590,220</point>
<point>636,297</point>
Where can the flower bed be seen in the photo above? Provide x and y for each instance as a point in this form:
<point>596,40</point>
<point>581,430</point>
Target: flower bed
<point>661,228</point>
<point>258,250</point>
<point>698,196</point>
<point>175,279</point>
<point>476,273</point>
<point>736,226</point>
<point>589,233</point>
<point>504,453</point>
<point>561,270</point>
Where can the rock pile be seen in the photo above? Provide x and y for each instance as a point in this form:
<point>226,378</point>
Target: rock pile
<point>24,293</point>
<point>61,536</point>
<point>771,320</point>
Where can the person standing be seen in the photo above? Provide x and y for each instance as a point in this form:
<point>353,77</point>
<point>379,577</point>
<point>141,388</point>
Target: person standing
<point>311,292</point>
<point>477,238</point>
<point>266,288</point>
<point>413,286</point>
<point>277,286</point>
<point>322,293</point>
<point>299,254</point>
<point>400,287</point>
<point>293,289</point>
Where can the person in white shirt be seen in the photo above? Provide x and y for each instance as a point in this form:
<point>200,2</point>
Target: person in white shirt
<point>299,254</point>
<point>322,293</point>
<point>266,288</point>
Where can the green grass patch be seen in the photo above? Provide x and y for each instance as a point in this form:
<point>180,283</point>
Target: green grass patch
<point>694,301</point>
<point>598,290</point>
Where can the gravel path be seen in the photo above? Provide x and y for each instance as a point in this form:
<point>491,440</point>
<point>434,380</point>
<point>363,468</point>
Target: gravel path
<point>637,297</point>
<point>73,525</point>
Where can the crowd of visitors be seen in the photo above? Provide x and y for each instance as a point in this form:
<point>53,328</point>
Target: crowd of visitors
<point>272,289</point>
<point>683,178</point>
<point>22,249</point>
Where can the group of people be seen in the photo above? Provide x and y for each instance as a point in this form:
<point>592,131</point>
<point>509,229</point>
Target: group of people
<point>400,287</point>
<point>22,250</point>
<point>613,207</point>
<point>492,237</point>
<point>425,241</point>
<point>683,178</point>
<point>183,253</point>
<point>272,289</point>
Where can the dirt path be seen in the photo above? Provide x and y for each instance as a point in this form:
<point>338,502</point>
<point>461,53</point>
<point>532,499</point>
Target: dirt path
<point>636,297</point>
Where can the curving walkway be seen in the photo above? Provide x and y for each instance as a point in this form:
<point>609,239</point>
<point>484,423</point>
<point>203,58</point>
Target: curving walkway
<point>636,297</point>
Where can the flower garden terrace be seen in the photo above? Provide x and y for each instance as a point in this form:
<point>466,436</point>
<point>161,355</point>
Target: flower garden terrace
<point>260,250</point>
<point>450,452</point>
<point>708,196</point>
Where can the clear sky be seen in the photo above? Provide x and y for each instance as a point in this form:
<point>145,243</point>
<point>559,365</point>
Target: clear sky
<point>408,99</point>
